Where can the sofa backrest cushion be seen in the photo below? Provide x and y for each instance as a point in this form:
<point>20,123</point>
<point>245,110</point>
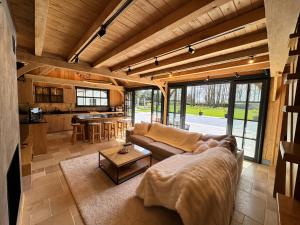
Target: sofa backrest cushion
<point>141,128</point>
<point>172,136</point>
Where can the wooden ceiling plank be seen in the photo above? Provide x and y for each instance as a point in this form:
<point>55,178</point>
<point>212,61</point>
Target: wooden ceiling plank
<point>28,68</point>
<point>24,56</point>
<point>54,80</point>
<point>180,16</point>
<point>46,70</point>
<point>231,64</point>
<point>261,50</point>
<point>220,72</point>
<point>40,22</point>
<point>111,7</point>
<point>234,43</point>
<point>253,17</point>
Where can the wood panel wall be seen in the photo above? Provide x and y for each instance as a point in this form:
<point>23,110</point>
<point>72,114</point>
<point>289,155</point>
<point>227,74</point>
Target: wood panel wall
<point>273,123</point>
<point>9,119</point>
<point>26,97</point>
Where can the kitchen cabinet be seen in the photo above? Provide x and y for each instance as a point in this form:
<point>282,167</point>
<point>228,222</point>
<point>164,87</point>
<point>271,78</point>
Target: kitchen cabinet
<point>59,122</point>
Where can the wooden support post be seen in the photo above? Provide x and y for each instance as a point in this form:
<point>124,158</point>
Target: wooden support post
<point>165,104</point>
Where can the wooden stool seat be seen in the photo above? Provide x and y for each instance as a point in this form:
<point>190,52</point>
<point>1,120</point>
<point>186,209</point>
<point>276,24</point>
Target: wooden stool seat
<point>109,129</point>
<point>78,130</point>
<point>94,132</point>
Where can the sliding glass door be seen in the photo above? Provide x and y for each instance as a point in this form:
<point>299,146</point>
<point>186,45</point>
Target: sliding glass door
<point>207,108</point>
<point>156,115</point>
<point>142,109</point>
<point>175,114</point>
<point>225,107</point>
<point>247,117</point>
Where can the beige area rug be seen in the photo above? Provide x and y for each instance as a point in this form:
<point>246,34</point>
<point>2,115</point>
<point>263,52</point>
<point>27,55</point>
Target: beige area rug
<point>101,202</point>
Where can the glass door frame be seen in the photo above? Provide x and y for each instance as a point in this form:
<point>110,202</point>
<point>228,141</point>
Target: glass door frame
<point>263,106</point>
<point>182,105</point>
<point>133,90</point>
<point>262,77</point>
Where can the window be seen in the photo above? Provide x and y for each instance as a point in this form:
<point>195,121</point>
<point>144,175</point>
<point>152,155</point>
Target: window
<point>48,95</point>
<point>91,97</point>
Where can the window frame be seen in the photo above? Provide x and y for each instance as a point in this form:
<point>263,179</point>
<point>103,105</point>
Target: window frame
<point>85,97</point>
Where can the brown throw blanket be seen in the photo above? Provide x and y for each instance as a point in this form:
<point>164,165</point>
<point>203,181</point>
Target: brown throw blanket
<point>201,187</point>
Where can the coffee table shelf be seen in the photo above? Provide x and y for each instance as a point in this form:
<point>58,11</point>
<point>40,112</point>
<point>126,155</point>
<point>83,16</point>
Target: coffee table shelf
<point>122,167</point>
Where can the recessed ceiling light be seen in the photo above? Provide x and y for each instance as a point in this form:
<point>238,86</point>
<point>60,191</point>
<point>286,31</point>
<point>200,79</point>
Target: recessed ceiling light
<point>251,60</point>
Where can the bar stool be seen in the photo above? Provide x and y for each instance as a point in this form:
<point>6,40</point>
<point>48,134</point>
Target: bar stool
<point>95,132</point>
<point>109,129</point>
<point>120,125</point>
<point>78,130</point>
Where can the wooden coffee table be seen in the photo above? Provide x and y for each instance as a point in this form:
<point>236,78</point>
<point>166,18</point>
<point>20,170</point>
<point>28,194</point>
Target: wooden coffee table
<point>121,167</point>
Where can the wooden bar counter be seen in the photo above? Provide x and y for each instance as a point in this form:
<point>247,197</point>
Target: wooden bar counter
<point>35,134</point>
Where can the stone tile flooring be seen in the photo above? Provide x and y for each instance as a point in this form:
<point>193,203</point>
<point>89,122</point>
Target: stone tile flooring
<point>48,200</point>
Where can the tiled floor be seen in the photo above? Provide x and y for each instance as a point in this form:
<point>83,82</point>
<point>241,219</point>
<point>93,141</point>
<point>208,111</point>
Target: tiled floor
<point>48,200</point>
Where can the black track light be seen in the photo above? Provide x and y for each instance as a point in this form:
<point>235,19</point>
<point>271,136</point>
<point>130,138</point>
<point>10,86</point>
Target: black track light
<point>156,61</point>
<point>129,69</point>
<point>102,31</point>
<point>191,50</point>
<point>237,75</point>
<point>76,60</point>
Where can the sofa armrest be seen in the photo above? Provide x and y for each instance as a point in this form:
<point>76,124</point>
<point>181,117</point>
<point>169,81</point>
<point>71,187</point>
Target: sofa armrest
<point>129,132</point>
<point>240,160</point>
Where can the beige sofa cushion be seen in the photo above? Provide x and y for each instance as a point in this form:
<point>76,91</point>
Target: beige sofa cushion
<point>163,150</point>
<point>141,140</point>
<point>141,128</point>
<point>172,136</point>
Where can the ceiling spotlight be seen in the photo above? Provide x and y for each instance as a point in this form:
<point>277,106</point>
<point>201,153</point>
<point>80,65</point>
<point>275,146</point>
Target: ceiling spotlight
<point>237,75</point>
<point>151,77</point>
<point>251,60</point>
<point>170,74</point>
<point>156,61</point>
<point>207,79</point>
<point>191,50</point>
<point>129,69</point>
<point>102,31</point>
<point>76,60</point>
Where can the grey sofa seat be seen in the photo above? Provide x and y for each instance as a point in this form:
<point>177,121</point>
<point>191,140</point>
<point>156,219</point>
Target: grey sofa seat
<point>161,150</point>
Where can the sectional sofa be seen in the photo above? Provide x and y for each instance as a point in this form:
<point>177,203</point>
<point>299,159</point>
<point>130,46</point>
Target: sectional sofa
<point>164,141</point>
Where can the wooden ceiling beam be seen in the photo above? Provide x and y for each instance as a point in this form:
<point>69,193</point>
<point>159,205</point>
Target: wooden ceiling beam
<point>257,61</point>
<point>244,41</point>
<point>24,56</point>
<point>46,70</point>
<point>219,72</point>
<point>257,51</point>
<point>192,8</point>
<point>40,22</point>
<point>27,68</point>
<point>110,8</point>
<point>54,80</point>
<point>254,17</point>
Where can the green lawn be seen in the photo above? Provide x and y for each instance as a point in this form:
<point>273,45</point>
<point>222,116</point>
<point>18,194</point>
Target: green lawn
<point>209,111</point>
<point>219,112</point>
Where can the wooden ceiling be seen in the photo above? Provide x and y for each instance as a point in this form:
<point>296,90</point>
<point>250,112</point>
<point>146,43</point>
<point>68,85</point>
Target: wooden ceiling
<point>219,30</point>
